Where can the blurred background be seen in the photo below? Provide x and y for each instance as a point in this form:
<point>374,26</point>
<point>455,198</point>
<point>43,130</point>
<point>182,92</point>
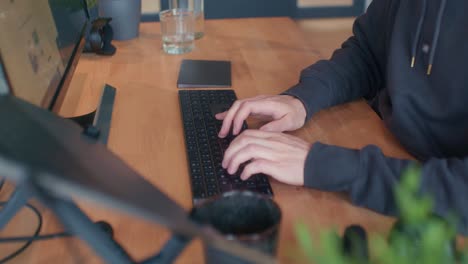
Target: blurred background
<point>257,8</point>
<point>332,20</point>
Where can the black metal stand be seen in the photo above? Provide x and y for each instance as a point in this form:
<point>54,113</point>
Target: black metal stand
<point>102,243</point>
<point>76,222</point>
<point>84,120</point>
<point>79,224</point>
<point>98,122</point>
<point>18,199</point>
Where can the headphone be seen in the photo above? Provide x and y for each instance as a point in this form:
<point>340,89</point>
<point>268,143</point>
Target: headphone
<point>100,37</point>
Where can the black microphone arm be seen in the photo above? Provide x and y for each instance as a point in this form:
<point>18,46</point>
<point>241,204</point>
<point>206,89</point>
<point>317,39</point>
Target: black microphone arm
<point>54,159</point>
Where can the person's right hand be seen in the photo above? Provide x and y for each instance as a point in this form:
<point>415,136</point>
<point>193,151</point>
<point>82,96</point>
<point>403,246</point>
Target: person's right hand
<point>285,113</point>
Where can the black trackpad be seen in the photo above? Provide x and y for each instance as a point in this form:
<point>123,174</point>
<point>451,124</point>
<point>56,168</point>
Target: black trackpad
<point>203,73</point>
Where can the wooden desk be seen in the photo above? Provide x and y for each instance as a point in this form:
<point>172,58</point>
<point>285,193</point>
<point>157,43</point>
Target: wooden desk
<point>267,56</point>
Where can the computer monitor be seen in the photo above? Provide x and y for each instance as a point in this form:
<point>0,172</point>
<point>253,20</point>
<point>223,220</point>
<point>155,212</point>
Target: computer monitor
<point>40,46</point>
<point>3,82</point>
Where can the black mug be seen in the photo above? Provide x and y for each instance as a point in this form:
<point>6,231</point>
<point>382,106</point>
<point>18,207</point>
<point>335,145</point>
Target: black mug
<point>249,218</point>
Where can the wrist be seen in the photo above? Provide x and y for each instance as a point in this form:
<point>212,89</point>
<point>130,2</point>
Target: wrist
<point>299,109</point>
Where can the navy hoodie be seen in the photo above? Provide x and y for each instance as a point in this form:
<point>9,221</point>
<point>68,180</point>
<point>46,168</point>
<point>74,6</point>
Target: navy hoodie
<point>409,57</point>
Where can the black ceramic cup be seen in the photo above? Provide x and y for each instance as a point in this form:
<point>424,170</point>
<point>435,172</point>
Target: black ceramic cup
<point>249,218</point>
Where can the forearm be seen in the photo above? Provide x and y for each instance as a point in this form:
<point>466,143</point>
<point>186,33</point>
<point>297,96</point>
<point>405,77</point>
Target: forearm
<point>355,70</point>
<point>370,177</point>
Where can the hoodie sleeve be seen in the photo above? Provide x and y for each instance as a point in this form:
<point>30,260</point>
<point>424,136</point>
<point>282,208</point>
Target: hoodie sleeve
<point>355,70</point>
<point>369,177</point>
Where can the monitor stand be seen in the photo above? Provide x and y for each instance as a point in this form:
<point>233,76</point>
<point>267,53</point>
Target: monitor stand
<point>97,123</point>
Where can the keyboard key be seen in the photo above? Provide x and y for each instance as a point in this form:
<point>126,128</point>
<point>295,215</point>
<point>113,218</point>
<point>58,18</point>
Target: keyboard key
<point>212,187</point>
<point>251,183</point>
<point>223,176</point>
<point>211,193</point>
<point>200,195</point>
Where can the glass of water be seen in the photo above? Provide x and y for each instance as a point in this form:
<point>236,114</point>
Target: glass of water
<point>197,6</point>
<point>177,30</point>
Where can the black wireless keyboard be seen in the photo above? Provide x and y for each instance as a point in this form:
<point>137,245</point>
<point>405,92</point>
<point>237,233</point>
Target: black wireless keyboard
<point>205,150</point>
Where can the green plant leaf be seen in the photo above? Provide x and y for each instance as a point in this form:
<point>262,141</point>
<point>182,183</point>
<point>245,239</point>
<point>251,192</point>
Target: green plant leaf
<point>305,241</point>
<point>419,238</point>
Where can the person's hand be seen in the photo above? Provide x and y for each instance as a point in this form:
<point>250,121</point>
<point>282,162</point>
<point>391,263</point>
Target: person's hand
<point>285,112</point>
<point>276,154</point>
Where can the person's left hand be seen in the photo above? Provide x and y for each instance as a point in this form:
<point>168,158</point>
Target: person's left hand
<point>279,155</point>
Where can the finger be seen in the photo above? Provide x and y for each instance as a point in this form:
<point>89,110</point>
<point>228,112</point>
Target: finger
<point>259,166</point>
<point>247,137</point>
<point>228,119</point>
<point>231,113</point>
<point>221,116</point>
<point>244,111</point>
<point>248,108</point>
<point>279,125</point>
<point>249,152</point>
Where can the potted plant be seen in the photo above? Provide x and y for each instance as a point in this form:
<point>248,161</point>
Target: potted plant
<point>417,237</point>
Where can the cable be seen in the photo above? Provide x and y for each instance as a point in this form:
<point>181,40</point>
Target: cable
<point>33,238</point>
<point>2,182</point>
<point>29,242</point>
<point>36,237</point>
<point>27,239</point>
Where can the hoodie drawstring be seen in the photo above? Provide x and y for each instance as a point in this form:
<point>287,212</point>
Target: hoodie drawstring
<point>422,16</point>
<point>435,38</point>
